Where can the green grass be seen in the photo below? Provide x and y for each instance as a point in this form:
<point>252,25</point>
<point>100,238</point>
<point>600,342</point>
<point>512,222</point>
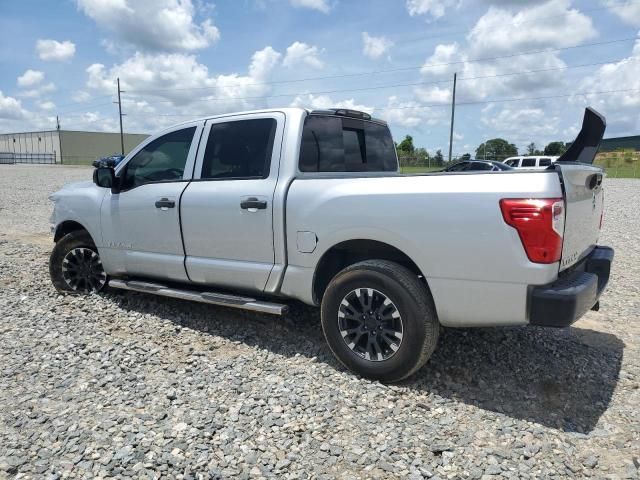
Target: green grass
<point>620,164</point>
<point>419,169</point>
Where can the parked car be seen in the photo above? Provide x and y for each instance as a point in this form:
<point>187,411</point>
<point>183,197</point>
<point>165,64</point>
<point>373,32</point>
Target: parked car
<point>531,162</point>
<point>248,210</point>
<point>110,161</point>
<point>478,165</point>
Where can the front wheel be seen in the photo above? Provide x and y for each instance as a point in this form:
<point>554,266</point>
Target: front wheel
<point>379,320</point>
<point>75,265</point>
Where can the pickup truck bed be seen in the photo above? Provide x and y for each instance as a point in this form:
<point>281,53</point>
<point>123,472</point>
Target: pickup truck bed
<point>246,210</point>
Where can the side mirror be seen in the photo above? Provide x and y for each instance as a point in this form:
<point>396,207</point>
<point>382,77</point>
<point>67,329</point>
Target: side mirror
<point>105,177</point>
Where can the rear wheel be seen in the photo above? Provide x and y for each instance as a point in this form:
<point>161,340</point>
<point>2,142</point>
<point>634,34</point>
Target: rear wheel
<point>379,320</point>
<point>75,265</point>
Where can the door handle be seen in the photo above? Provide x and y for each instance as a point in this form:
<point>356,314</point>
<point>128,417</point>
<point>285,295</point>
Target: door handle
<point>253,202</point>
<point>165,203</point>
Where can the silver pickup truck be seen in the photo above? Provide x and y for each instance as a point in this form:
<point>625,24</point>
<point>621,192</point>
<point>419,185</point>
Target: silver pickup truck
<point>248,210</point>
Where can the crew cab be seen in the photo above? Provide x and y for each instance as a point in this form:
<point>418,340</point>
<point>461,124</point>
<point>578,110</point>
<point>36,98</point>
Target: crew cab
<point>253,209</point>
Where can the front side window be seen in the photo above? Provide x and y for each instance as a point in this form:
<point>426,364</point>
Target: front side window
<point>512,163</point>
<point>544,162</point>
<point>336,144</point>
<point>240,149</point>
<point>528,162</point>
<point>162,160</point>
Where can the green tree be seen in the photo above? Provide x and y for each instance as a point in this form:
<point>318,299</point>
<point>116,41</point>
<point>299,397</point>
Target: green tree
<point>531,149</point>
<point>555,148</point>
<point>465,156</point>
<point>422,156</point>
<point>496,149</point>
<point>406,145</point>
<point>438,159</point>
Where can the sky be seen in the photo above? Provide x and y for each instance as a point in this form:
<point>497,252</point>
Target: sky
<point>526,68</point>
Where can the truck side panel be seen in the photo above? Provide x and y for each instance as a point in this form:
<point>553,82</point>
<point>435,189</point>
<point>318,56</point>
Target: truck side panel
<point>450,225</point>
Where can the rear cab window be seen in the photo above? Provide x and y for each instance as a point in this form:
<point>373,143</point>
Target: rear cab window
<point>342,144</point>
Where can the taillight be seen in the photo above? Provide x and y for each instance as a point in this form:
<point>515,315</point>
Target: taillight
<point>540,224</point>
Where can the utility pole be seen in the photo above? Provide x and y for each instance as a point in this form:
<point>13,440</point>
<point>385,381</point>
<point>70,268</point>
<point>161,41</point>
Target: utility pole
<point>453,113</point>
<point>59,138</point>
<point>120,114</point>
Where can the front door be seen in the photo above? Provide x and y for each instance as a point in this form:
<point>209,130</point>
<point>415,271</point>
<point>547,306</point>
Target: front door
<point>141,224</point>
<point>227,211</point>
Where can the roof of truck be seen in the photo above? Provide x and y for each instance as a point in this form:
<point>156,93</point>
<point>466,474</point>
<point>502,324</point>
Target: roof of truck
<point>331,111</point>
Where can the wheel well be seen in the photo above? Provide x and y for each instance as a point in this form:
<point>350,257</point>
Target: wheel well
<point>67,227</point>
<point>347,253</point>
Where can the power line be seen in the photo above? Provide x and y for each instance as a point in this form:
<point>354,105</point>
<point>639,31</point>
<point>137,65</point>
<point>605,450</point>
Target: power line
<point>435,105</point>
<point>393,70</point>
<point>517,99</point>
<point>396,85</point>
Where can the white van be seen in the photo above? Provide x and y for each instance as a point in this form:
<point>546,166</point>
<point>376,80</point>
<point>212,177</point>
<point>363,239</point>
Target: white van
<point>531,163</point>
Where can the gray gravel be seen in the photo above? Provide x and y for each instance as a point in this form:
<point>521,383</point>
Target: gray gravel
<point>130,385</point>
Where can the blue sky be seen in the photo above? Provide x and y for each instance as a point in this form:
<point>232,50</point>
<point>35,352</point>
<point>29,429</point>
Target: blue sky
<point>179,59</point>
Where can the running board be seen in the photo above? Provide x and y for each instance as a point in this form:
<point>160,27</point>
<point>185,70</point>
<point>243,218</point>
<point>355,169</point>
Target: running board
<point>226,300</point>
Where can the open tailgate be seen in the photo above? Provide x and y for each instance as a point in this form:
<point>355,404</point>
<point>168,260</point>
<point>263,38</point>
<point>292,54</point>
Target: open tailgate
<point>584,194</point>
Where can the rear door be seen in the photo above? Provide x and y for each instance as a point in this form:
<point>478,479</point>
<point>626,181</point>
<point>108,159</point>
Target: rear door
<point>227,211</point>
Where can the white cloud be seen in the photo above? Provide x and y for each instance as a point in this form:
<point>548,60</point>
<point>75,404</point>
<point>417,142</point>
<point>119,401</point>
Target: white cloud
<point>433,94</point>
<point>176,83</point>
<point>408,114</point>
<point>550,25</point>
<point>153,24</point>
<point>320,5</point>
<point>628,11</point>
<point>46,105</point>
<point>500,32</point>
<point>299,53</point>
<point>375,47</point>
<point>80,96</point>
<point>32,84</point>
<point>433,8</point>
<point>324,101</point>
<point>52,50</point>
<point>11,108</point>
<point>441,60</point>
<point>30,78</point>
<point>522,123</point>
<point>622,109</point>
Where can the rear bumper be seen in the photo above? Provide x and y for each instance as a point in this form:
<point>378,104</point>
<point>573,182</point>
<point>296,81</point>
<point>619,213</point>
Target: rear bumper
<point>564,301</point>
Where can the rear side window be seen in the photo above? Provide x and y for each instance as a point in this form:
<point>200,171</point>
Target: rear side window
<point>481,166</point>
<point>240,149</point>
<point>460,167</point>
<point>528,162</point>
<point>335,144</point>
<point>544,162</point>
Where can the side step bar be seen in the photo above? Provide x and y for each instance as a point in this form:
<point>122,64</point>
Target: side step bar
<point>245,303</point>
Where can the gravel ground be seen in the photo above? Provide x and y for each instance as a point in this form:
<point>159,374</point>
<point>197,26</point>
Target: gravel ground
<point>131,385</point>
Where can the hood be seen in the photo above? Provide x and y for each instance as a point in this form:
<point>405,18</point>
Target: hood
<point>71,187</point>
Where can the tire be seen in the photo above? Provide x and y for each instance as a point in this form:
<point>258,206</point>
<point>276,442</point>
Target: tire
<point>415,332</point>
<point>75,266</point>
